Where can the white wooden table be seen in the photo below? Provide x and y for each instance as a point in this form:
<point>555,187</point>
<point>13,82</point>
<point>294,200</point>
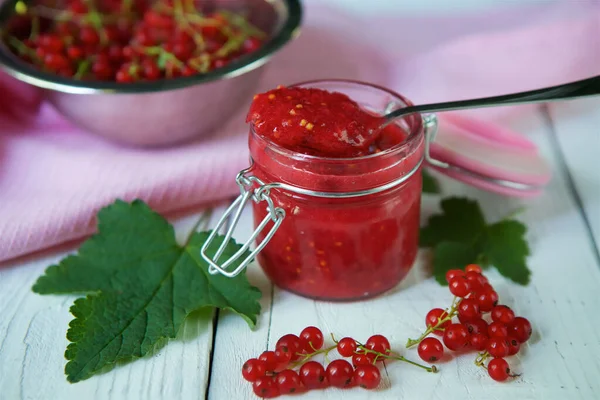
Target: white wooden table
<point>562,302</point>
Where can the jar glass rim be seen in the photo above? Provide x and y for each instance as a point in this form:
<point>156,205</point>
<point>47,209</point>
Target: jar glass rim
<point>416,128</point>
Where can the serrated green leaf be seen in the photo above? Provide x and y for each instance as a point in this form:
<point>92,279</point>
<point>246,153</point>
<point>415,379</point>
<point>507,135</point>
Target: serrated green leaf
<point>430,184</point>
<point>507,249</point>
<point>461,221</point>
<point>143,285</point>
<point>452,255</point>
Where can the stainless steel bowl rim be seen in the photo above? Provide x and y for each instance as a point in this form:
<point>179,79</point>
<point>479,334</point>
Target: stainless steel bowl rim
<point>29,74</point>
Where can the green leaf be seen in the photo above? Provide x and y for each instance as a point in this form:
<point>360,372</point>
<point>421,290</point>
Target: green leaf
<point>142,286</point>
<point>507,249</point>
<point>452,255</point>
<point>461,221</point>
<point>460,236</point>
<point>430,184</point>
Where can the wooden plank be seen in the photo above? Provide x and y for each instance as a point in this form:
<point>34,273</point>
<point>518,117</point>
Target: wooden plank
<point>32,344</point>
<point>576,131</point>
<point>556,363</point>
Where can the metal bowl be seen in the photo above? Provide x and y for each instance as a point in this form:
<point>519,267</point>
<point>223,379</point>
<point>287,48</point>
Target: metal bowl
<point>164,112</point>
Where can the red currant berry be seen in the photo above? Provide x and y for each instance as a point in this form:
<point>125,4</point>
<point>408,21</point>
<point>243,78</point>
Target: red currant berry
<point>312,374</point>
<point>476,280</point>
<point>456,336</point>
<point>430,350</point>
<point>477,325</point>
<point>502,314</point>
<point>479,341</point>
<point>339,373</point>
<point>346,347</point>
<point>265,387</point>
<point>473,268</point>
<point>497,329</point>
<point>288,381</point>
<point>312,339</point>
<point>50,42</point>
<point>487,299</point>
<point>468,309</point>
<point>454,273</point>
<point>362,359</point>
<point>251,44</point>
<point>378,343</point>
<point>75,52</point>
<point>89,36</point>
<point>520,329</point>
<point>292,343</point>
<point>253,369</point>
<point>150,69</point>
<point>513,346</point>
<point>367,376</point>
<point>270,360</point>
<point>498,369</point>
<point>432,318</point>
<point>497,347</point>
<point>283,356</point>
<point>459,286</point>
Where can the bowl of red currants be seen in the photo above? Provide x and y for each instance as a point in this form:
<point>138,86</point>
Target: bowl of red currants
<point>145,72</point>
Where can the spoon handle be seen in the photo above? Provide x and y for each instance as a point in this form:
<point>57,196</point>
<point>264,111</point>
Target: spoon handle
<point>583,88</point>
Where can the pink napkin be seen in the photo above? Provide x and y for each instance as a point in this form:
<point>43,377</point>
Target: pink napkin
<point>54,177</point>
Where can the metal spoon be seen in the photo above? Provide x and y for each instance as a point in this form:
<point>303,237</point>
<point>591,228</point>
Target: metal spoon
<point>567,91</point>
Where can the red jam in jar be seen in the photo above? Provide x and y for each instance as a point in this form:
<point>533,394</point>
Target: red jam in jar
<point>350,191</point>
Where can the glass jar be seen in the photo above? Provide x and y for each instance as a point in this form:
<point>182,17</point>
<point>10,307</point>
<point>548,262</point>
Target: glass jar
<point>351,225</point>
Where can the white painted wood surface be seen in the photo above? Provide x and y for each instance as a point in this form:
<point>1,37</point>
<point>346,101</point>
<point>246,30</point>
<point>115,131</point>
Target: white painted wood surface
<point>560,362</point>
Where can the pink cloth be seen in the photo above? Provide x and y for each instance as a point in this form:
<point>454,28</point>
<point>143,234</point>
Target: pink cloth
<point>54,177</point>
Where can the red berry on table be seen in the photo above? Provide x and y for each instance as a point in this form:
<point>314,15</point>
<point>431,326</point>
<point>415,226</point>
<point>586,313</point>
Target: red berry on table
<point>502,314</point>
<point>339,373</point>
<point>432,318</point>
<point>468,309</point>
<point>497,347</point>
<point>487,299</point>
<point>283,356</point>
<point>313,376</point>
<point>476,325</point>
<point>459,286</point>
<point>288,381</point>
<point>498,369</point>
<point>497,329</point>
<point>454,273</point>
<point>456,337</point>
<point>473,268</point>
<point>479,341</point>
<point>270,360</point>
<point>253,369</point>
<point>378,343</point>
<point>520,329</point>
<point>367,376</point>
<point>361,359</point>
<point>292,343</point>
<point>430,349</point>
<point>265,387</point>
<point>477,281</point>
<point>312,339</point>
<point>513,346</point>
<point>346,347</point>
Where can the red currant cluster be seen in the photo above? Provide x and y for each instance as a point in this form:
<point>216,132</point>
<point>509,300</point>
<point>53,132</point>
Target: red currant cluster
<point>128,40</point>
<point>289,368</point>
<point>482,325</point>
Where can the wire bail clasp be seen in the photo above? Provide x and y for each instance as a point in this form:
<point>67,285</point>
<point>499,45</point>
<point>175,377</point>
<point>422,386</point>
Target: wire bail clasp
<point>251,188</point>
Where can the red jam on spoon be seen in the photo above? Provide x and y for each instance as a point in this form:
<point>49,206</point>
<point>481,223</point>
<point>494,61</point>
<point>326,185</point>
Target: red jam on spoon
<point>320,123</point>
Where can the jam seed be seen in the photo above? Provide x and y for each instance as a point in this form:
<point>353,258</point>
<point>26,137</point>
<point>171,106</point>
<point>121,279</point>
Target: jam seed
<point>303,122</point>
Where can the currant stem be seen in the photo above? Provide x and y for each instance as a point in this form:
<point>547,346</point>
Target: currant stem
<point>450,314</point>
<point>307,356</point>
<point>481,357</point>
<point>398,357</point>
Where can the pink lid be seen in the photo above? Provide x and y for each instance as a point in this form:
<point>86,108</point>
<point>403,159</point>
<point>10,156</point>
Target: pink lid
<point>488,156</point>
